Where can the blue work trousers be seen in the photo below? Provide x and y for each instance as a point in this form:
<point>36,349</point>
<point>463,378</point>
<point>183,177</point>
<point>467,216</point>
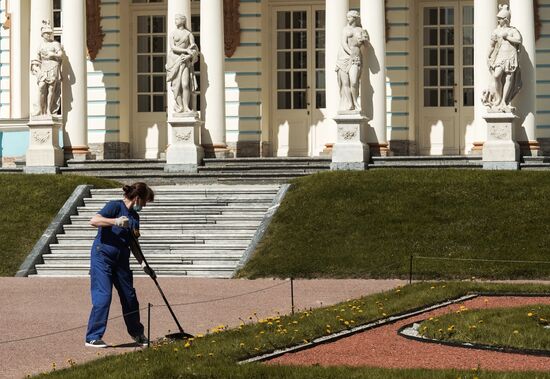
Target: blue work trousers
<point>107,268</point>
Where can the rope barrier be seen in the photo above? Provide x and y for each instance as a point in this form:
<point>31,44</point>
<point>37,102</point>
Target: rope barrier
<point>479,260</point>
<point>139,310</point>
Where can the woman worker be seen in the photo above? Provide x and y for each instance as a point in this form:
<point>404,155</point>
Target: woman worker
<point>110,264</point>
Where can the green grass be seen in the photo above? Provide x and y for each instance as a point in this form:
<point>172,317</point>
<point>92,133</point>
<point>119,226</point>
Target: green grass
<point>215,355</point>
<point>367,224</point>
<point>520,327</point>
<point>28,203</point>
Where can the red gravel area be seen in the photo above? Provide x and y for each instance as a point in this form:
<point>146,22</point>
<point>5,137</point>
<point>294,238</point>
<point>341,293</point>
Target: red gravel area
<point>35,306</point>
<point>383,347</point>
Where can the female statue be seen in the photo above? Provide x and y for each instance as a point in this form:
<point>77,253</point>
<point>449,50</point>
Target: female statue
<point>47,69</point>
<point>349,60</point>
<point>179,67</point>
<point>503,64</point>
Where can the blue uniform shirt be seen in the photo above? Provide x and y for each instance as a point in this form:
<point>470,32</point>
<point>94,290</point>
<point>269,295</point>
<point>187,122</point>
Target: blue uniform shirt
<point>113,238</point>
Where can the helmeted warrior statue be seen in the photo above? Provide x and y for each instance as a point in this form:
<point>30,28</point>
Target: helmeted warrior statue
<point>349,62</point>
<point>47,69</point>
<point>503,62</point>
<point>182,56</point>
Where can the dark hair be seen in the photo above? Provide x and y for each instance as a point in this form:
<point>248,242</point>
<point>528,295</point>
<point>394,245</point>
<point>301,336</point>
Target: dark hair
<point>139,189</point>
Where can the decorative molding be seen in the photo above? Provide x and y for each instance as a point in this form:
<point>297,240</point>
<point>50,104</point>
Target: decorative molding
<point>41,136</point>
<point>231,26</point>
<point>387,22</point>
<point>538,22</point>
<point>94,32</point>
<point>183,136</point>
<point>347,133</point>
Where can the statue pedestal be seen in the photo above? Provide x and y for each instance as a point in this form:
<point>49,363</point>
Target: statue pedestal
<point>185,153</point>
<point>500,151</point>
<point>44,156</point>
<point>350,152</point>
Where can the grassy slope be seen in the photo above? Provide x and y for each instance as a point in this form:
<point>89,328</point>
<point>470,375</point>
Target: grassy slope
<point>366,224</point>
<point>520,327</point>
<point>28,203</point>
<point>215,355</point>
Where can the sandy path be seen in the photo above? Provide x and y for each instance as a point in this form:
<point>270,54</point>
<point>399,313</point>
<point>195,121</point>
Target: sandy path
<point>33,306</point>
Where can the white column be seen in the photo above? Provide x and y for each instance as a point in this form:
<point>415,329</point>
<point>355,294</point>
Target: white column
<point>20,60</point>
<point>485,21</point>
<point>373,18</point>
<point>40,10</point>
<point>174,7</point>
<point>75,99</point>
<point>213,77</point>
<point>526,101</point>
<point>335,21</point>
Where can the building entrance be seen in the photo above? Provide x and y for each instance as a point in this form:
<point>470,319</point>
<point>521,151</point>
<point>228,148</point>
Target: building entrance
<point>149,137</point>
<point>298,78</point>
<point>446,75</point>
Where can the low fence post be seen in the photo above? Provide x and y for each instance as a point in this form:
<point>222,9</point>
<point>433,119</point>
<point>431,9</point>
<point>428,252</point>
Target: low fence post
<point>411,269</point>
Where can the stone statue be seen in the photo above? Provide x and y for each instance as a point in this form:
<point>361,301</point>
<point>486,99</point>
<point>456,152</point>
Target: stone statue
<point>349,61</point>
<point>47,69</point>
<point>503,64</point>
<point>182,56</point>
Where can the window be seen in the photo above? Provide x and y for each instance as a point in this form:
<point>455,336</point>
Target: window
<point>151,61</point>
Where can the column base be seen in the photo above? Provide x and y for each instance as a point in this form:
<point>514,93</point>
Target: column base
<point>327,151</point>
<point>379,150</point>
<point>512,166</point>
<point>477,149</point>
<point>529,148</point>
<point>219,151</point>
<point>76,153</point>
<point>348,166</point>
<point>190,168</point>
<point>41,170</point>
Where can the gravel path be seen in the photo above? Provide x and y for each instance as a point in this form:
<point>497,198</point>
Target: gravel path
<point>36,306</point>
<point>383,347</point>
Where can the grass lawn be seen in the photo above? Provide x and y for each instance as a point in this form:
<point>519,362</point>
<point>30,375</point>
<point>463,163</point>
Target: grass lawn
<point>521,327</point>
<point>216,354</point>
<point>367,224</point>
<point>28,203</point>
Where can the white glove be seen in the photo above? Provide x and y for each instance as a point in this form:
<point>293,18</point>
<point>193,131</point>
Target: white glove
<point>121,221</point>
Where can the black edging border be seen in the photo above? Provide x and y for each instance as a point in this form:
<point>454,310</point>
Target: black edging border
<point>385,321</point>
<point>480,346</point>
<point>358,329</point>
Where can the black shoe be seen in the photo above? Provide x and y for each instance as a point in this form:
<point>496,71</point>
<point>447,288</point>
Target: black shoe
<point>96,343</point>
<point>141,340</point>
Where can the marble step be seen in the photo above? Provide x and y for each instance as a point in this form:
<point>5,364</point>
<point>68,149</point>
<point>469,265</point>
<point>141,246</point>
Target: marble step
<point>146,247</point>
<point>165,239</point>
<point>208,271</point>
<point>172,228</point>
<point>148,234</point>
<point>147,211</point>
<point>153,260</point>
<point>185,218</point>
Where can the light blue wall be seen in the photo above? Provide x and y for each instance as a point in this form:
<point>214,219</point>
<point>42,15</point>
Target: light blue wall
<point>14,144</point>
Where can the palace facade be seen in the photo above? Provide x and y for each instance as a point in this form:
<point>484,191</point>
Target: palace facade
<point>266,80</point>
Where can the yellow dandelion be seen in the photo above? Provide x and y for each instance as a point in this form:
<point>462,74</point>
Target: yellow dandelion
<point>530,314</point>
<point>516,331</point>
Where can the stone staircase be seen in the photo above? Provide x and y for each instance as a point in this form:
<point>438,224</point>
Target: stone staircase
<point>434,161</point>
<point>535,163</point>
<point>253,170</point>
<point>192,230</point>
